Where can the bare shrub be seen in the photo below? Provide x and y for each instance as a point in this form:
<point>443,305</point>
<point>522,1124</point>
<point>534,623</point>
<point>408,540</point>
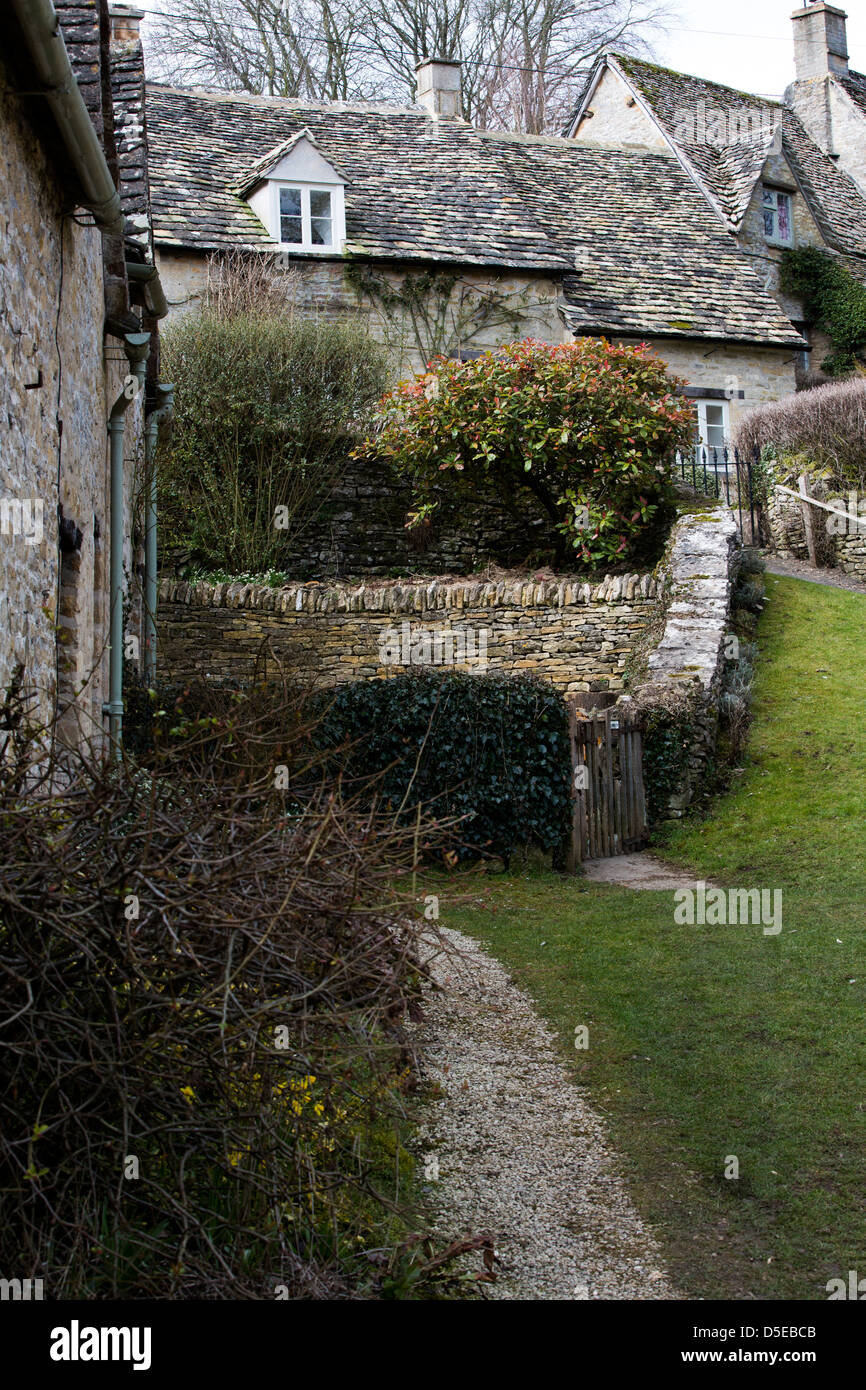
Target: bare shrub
<point>201,1055</point>
<point>241,282</point>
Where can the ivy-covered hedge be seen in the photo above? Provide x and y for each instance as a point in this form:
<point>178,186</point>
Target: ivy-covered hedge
<point>489,750</point>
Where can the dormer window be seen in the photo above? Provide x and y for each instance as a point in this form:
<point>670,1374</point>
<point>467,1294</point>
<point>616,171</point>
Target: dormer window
<point>778,223</point>
<point>298,195</point>
<point>306,216</point>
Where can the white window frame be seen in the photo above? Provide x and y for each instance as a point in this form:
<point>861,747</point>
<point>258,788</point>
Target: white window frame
<point>774,238</point>
<point>701,404</point>
<point>307,244</point>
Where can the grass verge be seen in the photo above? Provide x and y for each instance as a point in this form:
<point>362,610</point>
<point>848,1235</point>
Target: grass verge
<point>711,1042</point>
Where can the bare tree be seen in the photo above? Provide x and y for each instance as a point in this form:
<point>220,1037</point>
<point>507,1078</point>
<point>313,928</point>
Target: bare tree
<point>523,60</point>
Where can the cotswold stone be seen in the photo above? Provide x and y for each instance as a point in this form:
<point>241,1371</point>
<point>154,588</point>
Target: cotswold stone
<point>564,630</point>
<point>58,372</point>
<point>693,580</point>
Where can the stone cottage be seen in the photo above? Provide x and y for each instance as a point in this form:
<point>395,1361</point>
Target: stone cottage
<point>774,174</point>
<point>80,300</point>
<point>506,235</point>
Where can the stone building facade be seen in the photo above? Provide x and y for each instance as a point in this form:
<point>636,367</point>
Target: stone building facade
<point>776,175</point>
<point>537,236</point>
<point>66,313</point>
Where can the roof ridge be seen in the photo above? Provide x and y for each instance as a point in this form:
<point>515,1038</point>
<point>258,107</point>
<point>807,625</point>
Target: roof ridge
<point>625,59</point>
<point>292,103</point>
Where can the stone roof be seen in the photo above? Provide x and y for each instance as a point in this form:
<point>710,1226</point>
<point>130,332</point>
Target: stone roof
<point>656,261</point>
<point>729,171</point>
<point>130,132</point>
<point>855,86</point>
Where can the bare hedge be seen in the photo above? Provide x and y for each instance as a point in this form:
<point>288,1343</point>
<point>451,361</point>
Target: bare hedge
<point>825,427</point>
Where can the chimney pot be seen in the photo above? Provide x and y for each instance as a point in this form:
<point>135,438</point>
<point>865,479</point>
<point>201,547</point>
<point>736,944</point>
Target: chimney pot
<point>125,21</point>
<point>437,86</point>
<point>820,41</point>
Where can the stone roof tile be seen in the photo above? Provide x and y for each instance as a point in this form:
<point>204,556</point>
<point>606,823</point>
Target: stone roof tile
<point>659,262</point>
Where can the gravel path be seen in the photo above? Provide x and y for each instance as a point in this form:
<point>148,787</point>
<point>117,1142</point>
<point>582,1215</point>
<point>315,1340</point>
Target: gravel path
<point>801,569</point>
<point>520,1153</point>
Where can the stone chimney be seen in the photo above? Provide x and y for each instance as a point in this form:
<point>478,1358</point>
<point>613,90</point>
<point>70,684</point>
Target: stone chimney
<point>820,41</point>
<point>124,23</point>
<point>438,86</point>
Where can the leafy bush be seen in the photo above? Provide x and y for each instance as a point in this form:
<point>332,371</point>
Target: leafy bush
<point>489,750</point>
<point>202,1062</point>
<point>582,429</point>
<point>822,431</point>
<point>833,301</point>
<point>267,406</point>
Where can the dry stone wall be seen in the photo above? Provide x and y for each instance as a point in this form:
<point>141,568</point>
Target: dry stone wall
<point>684,665</point>
<point>840,543</point>
<point>577,635</point>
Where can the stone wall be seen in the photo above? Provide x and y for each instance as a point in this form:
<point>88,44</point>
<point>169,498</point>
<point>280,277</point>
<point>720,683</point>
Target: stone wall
<point>577,635</point>
<point>763,375</point>
<point>517,305</point>
<point>684,664</point>
<point>840,544</point>
<point>361,530</point>
<point>57,382</point>
<point>614,119</point>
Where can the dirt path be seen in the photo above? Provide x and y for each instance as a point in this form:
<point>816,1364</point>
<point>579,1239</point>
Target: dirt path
<point>801,569</point>
<point>511,1145</point>
<point>638,871</point>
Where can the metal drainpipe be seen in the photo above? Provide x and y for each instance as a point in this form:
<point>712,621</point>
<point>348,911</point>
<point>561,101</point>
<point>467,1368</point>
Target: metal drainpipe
<point>44,38</point>
<point>136,347</point>
<point>161,412</point>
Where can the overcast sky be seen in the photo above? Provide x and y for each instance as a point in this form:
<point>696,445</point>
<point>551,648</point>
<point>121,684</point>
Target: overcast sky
<point>750,42</point>
<point>744,43</point>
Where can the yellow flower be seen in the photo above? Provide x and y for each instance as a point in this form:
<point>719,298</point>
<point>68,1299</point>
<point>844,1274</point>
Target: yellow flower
<point>188,1092</point>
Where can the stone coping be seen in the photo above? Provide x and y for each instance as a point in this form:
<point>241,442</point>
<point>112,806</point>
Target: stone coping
<point>696,564</point>
<point>404,596</point>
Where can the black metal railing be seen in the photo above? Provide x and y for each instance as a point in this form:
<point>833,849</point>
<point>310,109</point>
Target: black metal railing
<point>725,474</point>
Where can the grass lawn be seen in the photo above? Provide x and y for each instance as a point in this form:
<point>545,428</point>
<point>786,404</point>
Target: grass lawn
<point>712,1041</point>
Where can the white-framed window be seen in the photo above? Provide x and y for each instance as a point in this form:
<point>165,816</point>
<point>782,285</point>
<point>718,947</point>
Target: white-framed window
<point>305,217</point>
<point>778,220</point>
<point>713,426</point>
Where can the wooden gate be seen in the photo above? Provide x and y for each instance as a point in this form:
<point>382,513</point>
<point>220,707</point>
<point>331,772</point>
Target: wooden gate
<point>607,762</point>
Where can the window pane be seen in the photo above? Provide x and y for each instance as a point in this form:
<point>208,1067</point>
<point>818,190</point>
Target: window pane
<point>320,203</point>
<point>769,223</point>
<point>769,198</point>
<point>715,416</point>
<point>320,217</point>
<point>321,230</point>
<point>784,217</point>
<point>290,216</point>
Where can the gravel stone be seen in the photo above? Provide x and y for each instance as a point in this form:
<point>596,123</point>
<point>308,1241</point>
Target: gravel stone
<point>521,1154</point>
